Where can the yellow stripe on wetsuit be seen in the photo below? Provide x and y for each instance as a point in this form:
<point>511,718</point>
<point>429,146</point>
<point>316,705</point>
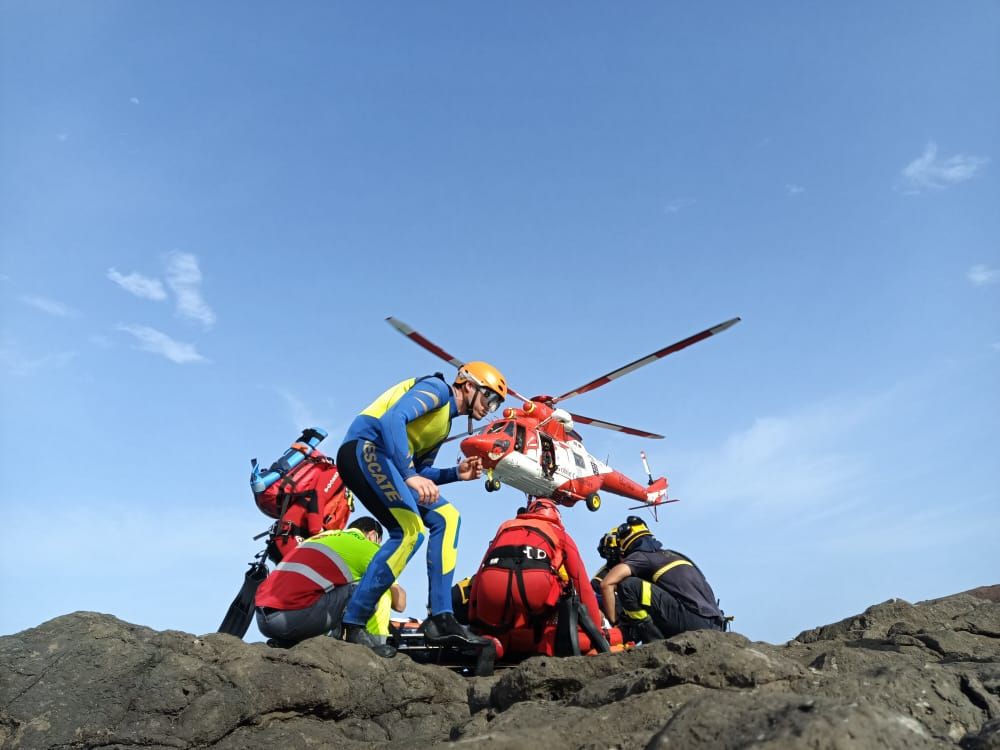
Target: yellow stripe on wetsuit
<point>449,544</point>
<point>413,527</point>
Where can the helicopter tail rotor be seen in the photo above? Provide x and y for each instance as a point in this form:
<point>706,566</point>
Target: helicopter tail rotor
<point>645,465</point>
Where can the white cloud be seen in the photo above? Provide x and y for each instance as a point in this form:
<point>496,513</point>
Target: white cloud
<point>49,306</point>
<point>17,363</point>
<point>793,189</point>
<point>980,275</point>
<point>184,278</point>
<point>678,204</point>
<point>134,100</point>
<point>139,285</point>
<point>62,137</point>
<point>301,415</point>
<point>801,460</point>
<point>157,342</point>
<point>927,171</point>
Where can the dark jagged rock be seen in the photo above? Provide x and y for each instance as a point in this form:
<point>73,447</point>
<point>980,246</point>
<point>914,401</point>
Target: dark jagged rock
<point>787,721</point>
<point>959,613</point>
<point>897,675</point>
<point>85,680</point>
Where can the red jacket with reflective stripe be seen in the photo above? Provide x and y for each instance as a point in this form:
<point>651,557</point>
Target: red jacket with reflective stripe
<point>315,567</point>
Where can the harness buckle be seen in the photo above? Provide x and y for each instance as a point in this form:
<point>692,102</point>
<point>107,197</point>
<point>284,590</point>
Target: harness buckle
<point>535,553</point>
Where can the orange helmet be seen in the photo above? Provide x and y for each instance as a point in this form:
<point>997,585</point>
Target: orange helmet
<point>482,374</point>
<point>545,508</point>
<point>487,380</point>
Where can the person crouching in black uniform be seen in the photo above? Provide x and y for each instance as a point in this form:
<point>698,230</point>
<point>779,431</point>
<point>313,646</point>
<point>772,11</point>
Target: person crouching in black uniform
<point>660,592</point>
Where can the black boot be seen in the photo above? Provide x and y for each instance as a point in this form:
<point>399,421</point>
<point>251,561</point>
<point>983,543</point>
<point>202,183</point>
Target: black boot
<point>358,634</point>
<point>646,631</point>
<point>444,630</point>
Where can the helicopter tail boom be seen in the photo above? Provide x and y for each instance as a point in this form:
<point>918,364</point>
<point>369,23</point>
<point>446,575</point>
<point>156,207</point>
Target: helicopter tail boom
<point>656,492</point>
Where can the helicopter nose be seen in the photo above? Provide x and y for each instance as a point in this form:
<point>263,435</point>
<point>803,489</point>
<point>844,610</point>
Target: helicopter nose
<point>488,448</point>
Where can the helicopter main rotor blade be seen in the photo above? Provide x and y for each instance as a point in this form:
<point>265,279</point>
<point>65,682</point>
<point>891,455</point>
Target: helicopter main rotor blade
<point>436,350</point>
<point>425,343</point>
<point>642,361</point>
<point>615,427</point>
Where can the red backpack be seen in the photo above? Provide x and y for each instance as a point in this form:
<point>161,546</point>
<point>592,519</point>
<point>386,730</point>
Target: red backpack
<point>517,584</point>
<point>304,492</point>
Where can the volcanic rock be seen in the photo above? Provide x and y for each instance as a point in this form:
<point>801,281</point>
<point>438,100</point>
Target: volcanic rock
<point>897,675</point>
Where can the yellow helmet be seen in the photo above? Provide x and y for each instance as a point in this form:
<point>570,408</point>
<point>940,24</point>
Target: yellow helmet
<point>484,375</point>
<point>608,546</point>
<point>630,532</point>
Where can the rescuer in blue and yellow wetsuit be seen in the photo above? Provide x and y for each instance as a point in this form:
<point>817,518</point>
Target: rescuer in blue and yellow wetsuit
<point>386,460</point>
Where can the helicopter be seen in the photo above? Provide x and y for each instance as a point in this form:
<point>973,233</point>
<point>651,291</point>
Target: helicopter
<point>536,449</point>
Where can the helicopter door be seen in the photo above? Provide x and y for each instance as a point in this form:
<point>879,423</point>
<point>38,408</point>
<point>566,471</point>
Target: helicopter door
<point>519,440</point>
<point>548,455</point>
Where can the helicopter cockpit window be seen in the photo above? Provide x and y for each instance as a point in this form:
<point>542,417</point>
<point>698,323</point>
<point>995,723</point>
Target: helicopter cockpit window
<point>519,440</point>
<point>579,460</point>
<point>504,426</point>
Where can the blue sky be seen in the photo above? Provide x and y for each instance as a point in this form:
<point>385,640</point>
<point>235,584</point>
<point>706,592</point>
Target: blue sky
<point>208,211</point>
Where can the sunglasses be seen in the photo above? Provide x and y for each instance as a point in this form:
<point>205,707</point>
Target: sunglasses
<point>492,399</point>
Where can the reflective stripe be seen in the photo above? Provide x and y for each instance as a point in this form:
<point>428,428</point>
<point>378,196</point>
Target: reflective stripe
<point>330,555</point>
<point>647,594</point>
<point>435,401</point>
<point>636,614</point>
<point>668,567</point>
<point>305,570</point>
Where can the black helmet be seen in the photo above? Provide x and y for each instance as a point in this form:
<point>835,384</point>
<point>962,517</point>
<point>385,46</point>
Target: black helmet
<point>607,548</point>
<point>630,532</point>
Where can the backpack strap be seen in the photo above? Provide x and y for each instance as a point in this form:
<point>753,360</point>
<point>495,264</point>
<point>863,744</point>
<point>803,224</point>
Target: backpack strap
<point>535,530</point>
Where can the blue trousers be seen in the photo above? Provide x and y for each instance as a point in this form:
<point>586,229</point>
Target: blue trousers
<point>376,482</point>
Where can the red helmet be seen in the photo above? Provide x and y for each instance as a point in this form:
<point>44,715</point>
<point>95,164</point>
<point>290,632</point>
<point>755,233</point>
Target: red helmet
<point>545,508</point>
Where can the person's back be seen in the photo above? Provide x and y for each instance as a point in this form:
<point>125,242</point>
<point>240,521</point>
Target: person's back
<point>526,570</point>
<point>307,592</point>
<point>331,558</point>
<point>670,570</point>
<point>661,591</point>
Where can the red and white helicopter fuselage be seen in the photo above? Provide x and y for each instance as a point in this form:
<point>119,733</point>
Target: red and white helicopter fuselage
<point>535,450</point>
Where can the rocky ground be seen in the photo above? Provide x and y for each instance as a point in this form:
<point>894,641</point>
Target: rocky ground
<point>898,675</point>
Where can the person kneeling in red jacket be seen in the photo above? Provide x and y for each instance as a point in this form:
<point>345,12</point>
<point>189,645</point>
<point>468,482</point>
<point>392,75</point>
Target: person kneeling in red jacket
<point>532,592</point>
